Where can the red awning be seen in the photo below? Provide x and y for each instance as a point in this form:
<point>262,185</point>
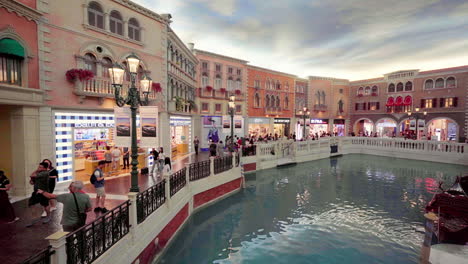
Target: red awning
<point>408,100</point>
<point>390,101</point>
<point>399,100</point>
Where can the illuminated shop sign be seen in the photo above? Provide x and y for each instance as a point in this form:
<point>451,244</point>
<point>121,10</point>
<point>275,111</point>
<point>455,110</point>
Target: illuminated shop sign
<point>319,121</point>
<point>86,125</point>
<point>259,120</point>
<point>282,120</point>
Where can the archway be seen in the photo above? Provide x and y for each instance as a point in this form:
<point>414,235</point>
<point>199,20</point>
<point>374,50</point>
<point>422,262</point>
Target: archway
<point>386,127</point>
<point>442,129</point>
<point>363,127</point>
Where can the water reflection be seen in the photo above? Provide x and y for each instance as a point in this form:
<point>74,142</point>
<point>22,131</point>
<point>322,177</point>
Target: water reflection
<point>352,209</point>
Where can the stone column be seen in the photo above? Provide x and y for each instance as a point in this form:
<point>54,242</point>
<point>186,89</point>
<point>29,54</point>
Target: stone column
<point>167,188</point>
<point>211,166</point>
<point>59,245</point>
<point>25,147</point>
<point>165,133</point>
<point>133,215</point>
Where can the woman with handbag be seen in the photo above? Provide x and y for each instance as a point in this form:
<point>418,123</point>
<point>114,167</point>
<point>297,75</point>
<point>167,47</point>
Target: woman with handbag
<point>75,206</point>
<point>7,213</point>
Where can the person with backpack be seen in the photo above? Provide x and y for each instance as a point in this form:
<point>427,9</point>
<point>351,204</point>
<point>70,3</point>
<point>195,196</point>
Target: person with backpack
<point>97,179</point>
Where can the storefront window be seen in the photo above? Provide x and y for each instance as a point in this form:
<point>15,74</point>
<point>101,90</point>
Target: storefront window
<point>181,128</point>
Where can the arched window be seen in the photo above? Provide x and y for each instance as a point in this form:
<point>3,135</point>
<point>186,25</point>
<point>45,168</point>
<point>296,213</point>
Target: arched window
<point>399,87</point>
<point>439,83</point>
<point>238,84</point>
<point>172,88</point>
<point>218,82</point>
<point>116,22</point>
<point>268,84</point>
<point>391,88</point>
<point>95,15</point>
<point>134,29</point>
<point>286,86</point>
<point>267,101</point>
<point>317,98</point>
<point>408,86</point>
<point>367,90</point>
<point>429,84</point>
<point>11,61</point>
<point>106,65</point>
<point>90,62</point>
<point>286,103</point>
<point>278,85</point>
<point>204,80</point>
<point>230,84</point>
<point>278,102</point>
<point>450,82</point>
<point>257,100</point>
<point>323,98</point>
<point>375,90</point>
<point>360,91</point>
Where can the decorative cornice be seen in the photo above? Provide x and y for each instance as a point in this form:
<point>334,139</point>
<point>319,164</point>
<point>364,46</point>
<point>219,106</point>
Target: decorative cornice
<point>142,10</point>
<point>219,56</point>
<point>181,45</point>
<point>271,71</point>
<point>333,80</point>
<point>21,10</point>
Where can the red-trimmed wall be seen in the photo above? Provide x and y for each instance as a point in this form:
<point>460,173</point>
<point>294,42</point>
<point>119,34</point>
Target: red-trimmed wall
<point>250,167</point>
<point>211,194</point>
<point>163,237</point>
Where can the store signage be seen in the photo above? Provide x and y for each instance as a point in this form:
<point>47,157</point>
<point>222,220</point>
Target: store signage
<point>180,122</point>
<point>103,125</point>
<point>282,120</point>
<point>259,120</point>
<point>319,121</point>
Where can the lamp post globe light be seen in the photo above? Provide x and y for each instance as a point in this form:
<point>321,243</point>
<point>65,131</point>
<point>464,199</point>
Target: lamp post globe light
<point>133,99</point>
<point>232,109</point>
<point>305,113</point>
<point>417,115</point>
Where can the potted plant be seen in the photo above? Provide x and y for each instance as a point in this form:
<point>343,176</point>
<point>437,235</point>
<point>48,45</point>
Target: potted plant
<point>156,87</point>
<point>192,105</point>
<point>179,103</point>
<point>238,92</point>
<point>79,74</point>
<point>374,94</point>
<point>209,88</point>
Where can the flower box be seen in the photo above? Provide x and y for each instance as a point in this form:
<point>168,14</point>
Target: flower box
<point>359,95</point>
<point>156,87</point>
<point>209,88</point>
<point>223,90</point>
<point>374,94</point>
<point>83,75</point>
<point>238,92</point>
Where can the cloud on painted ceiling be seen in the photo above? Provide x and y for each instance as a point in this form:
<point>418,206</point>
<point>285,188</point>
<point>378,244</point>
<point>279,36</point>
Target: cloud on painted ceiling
<point>346,39</point>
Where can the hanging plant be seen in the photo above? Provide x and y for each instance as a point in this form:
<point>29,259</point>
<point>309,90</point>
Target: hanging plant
<point>83,75</point>
<point>223,90</point>
<point>238,92</point>
<point>209,88</point>
<point>156,87</point>
<point>192,104</point>
<point>179,102</point>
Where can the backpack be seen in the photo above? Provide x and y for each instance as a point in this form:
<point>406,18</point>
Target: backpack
<point>93,178</point>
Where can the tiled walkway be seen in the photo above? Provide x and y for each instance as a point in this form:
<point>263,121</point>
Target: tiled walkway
<point>19,242</point>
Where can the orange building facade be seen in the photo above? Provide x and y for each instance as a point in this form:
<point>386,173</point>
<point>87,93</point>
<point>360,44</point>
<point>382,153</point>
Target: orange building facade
<point>270,102</point>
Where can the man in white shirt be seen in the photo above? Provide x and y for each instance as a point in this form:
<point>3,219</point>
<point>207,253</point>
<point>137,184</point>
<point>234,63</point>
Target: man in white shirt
<point>116,158</point>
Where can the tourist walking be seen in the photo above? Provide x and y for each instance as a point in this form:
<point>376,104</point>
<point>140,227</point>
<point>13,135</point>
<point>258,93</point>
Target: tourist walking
<point>167,169</point>
<point>161,160</point>
<point>196,142</point>
<point>108,158</point>
<point>116,153</point>
<point>40,180</point>
<point>53,176</point>
<point>155,155</point>
<point>75,206</point>
<point>213,148</point>
<point>220,149</point>
<point>126,157</point>
<point>7,213</point>
<point>97,179</point>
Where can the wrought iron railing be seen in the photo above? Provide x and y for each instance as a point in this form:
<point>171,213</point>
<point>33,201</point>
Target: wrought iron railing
<point>178,181</point>
<point>237,159</point>
<point>199,170</point>
<point>222,164</point>
<point>89,242</point>
<point>150,200</point>
<point>42,257</point>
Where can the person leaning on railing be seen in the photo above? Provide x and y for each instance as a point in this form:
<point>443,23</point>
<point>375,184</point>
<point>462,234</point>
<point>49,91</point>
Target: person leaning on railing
<point>75,206</point>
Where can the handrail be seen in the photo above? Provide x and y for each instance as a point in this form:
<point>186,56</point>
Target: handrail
<point>222,164</point>
<point>42,257</point>
<point>177,181</point>
<point>199,170</point>
<point>91,241</point>
<point>150,200</point>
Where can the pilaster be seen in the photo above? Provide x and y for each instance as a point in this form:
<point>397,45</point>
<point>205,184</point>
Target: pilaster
<point>58,241</point>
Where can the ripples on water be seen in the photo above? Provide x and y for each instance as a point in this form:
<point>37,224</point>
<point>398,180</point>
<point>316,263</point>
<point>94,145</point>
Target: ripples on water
<point>352,209</point>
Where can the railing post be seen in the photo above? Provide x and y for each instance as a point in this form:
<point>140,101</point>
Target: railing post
<point>58,241</point>
<point>132,214</point>
<point>187,175</point>
<point>233,159</point>
<point>211,166</point>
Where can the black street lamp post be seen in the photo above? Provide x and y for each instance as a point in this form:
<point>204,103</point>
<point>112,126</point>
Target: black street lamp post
<point>232,109</point>
<point>133,99</point>
<point>417,115</point>
<point>305,113</point>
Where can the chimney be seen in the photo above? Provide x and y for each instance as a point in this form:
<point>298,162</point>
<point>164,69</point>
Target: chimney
<point>191,46</point>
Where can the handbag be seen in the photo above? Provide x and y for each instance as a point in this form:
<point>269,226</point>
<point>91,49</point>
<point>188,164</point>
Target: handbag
<point>81,216</point>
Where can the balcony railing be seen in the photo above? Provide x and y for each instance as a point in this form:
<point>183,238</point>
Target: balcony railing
<point>102,87</point>
<point>177,181</point>
<point>199,170</point>
<point>91,241</point>
<point>150,200</point>
<point>222,164</point>
<point>42,257</point>
<point>320,108</point>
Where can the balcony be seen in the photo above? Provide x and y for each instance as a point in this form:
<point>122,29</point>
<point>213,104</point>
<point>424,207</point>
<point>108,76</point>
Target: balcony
<point>102,88</point>
<point>320,108</point>
<point>219,94</point>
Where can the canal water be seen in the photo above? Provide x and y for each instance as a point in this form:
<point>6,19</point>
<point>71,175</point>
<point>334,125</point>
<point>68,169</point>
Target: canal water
<point>350,209</point>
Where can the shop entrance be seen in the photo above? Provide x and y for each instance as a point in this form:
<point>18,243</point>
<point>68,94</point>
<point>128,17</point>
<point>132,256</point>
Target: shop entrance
<point>318,127</point>
<point>339,127</point>
<point>363,127</point>
<point>386,127</point>
<point>281,127</point>
<point>180,136</point>
<point>442,129</point>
